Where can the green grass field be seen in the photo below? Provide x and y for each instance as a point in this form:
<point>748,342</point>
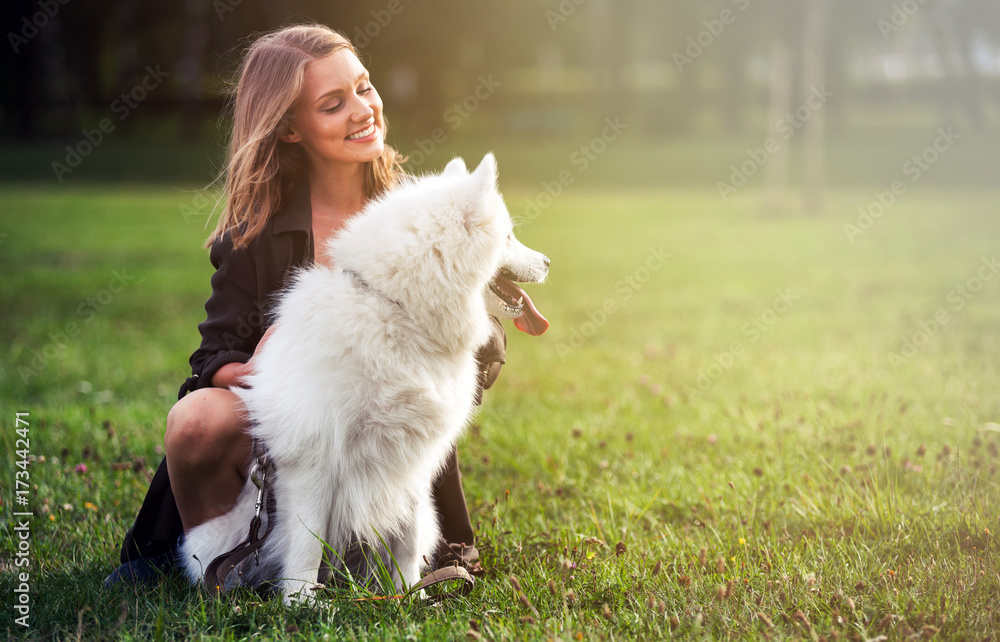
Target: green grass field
<point>714,440</point>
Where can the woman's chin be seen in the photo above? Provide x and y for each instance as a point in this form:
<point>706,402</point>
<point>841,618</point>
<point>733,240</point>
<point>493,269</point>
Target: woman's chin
<point>369,152</point>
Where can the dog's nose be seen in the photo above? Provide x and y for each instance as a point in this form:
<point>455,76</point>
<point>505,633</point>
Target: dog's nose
<point>547,261</point>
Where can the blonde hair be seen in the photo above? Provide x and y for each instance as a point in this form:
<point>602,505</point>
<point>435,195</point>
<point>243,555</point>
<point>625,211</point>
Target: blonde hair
<point>260,168</point>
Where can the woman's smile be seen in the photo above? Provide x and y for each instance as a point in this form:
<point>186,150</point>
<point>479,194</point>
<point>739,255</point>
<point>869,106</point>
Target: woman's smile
<point>364,135</point>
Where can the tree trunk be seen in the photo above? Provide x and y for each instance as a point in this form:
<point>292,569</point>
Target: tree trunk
<point>779,104</point>
<point>814,144</point>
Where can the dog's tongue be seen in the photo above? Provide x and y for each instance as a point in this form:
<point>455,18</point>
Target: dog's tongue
<point>533,323</point>
<point>531,320</point>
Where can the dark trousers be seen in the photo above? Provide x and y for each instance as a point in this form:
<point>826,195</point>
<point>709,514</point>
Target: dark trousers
<point>456,526</point>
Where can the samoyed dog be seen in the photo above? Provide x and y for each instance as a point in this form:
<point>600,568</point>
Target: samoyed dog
<point>369,378</point>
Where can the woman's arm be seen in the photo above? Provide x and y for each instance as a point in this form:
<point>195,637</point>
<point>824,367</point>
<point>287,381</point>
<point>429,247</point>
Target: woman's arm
<point>232,328</point>
<point>225,375</point>
<point>233,374</point>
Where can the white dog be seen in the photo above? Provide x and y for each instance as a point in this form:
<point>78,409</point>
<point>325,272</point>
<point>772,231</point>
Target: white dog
<point>370,375</point>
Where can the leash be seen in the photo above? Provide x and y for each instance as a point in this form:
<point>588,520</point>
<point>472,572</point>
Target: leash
<point>224,572</point>
<point>445,574</point>
<point>219,576</point>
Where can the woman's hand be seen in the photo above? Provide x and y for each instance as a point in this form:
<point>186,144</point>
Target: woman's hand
<point>234,374</point>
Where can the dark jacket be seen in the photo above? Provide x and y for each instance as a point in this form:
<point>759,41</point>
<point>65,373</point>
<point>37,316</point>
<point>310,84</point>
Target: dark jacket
<point>244,290</point>
<point>244,285</point>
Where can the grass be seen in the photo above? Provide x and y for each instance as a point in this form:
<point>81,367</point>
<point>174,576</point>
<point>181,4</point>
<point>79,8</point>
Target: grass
<point>632,475</point>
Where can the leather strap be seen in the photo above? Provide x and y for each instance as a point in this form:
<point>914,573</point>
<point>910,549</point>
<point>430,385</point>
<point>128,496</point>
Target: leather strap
<point>219,576</point>
<point>446,574</point>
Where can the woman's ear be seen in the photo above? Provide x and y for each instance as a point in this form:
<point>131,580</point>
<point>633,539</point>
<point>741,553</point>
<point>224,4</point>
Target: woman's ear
<point>285,125</point>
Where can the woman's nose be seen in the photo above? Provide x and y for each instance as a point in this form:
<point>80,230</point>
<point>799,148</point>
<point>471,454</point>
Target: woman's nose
<point>363,109</point>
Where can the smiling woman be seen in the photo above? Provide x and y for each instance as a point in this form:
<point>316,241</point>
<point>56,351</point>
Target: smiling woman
<point>302,97</point>
<point>306,154</point>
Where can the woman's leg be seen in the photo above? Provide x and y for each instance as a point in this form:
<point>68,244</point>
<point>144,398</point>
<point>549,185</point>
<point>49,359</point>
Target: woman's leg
<point>456,525</point>
<point>208,452</point>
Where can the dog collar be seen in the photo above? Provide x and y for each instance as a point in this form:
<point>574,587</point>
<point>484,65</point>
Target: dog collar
<point>367,286</point>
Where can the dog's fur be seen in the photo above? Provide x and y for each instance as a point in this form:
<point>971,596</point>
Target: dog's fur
<point>369,378</point>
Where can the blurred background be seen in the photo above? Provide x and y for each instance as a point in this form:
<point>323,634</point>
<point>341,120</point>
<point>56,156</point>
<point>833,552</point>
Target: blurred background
<point>849,90</point>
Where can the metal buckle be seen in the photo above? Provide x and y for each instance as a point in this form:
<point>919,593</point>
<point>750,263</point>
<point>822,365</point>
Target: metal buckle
<point>258,475</point>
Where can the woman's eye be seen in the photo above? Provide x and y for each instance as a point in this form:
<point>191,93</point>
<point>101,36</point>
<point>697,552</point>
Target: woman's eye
<point>337,107</point>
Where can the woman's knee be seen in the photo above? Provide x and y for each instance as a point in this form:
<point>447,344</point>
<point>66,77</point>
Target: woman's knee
<point>203,426</point>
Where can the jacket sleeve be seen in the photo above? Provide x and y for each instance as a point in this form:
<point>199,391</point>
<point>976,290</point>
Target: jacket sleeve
<point>232,329</point>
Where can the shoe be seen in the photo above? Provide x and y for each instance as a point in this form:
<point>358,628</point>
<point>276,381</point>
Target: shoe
<point>464,555</point>
<point>145,571</point>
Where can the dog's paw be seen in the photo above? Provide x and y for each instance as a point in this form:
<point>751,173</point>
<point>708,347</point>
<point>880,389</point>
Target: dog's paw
<point>305,595</point>
<point>298,593</point>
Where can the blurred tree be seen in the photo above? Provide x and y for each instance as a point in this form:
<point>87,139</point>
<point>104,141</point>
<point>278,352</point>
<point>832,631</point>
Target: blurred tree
<point>20,94</point>
<point>594,57</point>
<point>814,142</point>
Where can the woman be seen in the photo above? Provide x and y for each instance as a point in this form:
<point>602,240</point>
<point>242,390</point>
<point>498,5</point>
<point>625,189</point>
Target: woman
<point>307,152</point>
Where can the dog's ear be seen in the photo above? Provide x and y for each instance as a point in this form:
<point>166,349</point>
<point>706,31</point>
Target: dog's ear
<point>485,175</point>
<point>482,184</point>
<point>455,167</point>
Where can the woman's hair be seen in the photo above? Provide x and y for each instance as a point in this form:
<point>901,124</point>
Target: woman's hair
<point>260,168</point>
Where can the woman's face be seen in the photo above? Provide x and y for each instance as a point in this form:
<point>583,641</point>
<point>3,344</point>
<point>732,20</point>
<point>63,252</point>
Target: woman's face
<point>337,117</point>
